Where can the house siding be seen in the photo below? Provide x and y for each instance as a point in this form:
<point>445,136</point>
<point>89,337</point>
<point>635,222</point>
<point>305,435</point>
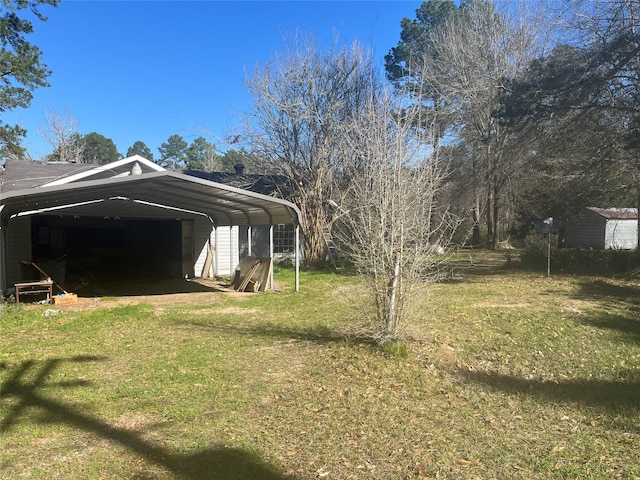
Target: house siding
<point>585,232</point>
<point>621,234</point>
<point>259,241</point>
<point>226,253</point>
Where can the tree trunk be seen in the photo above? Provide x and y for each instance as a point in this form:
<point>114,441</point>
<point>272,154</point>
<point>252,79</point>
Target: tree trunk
<point>490,226</point>
<point>312,230</point>
<point>496,216</point>
<point>392,324</point>
<point>475,236</point>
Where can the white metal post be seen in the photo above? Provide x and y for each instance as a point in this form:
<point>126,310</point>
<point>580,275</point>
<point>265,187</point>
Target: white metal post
<point>216,260</point>
<point>297,257</point>
<point>230,251</point>
<point>271,284</point>
<point>249,239</point>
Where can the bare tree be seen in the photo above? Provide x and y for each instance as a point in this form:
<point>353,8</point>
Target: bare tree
<point>390,220</point>
<point>61,133</point>
<point>304,101</point>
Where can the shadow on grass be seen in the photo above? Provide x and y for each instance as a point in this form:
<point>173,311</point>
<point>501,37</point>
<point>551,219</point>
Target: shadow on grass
<point>477,267</point>
<point>610,396</point>
<point>313,333</point>
<point>218,462</point>
<point>628,327</point>
<point>622,300</point>
<point>606,291</point>
<point>128,288</point>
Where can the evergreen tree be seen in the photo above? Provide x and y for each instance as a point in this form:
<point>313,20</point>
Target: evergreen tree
<point>201,155</point>
<point>21,67</point>
<point>173,152</point>
<point>140,148</point>
<point>99,149</point>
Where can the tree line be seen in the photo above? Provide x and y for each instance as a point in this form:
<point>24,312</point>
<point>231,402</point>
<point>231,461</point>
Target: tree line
<point>535,110</point>
<point>539,106</point>
<point>68,145</point>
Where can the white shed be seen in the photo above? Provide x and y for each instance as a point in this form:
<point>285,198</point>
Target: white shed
<point>603,228</point>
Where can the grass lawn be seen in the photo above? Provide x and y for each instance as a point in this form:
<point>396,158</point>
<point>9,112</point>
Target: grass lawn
<point>506,375</point>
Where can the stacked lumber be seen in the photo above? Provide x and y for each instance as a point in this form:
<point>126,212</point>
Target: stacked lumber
<point>252,274</point>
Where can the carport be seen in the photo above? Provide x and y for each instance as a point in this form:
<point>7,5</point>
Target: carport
<point>151,201</point>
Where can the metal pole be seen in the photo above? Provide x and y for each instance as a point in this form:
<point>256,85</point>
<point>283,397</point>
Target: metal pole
<point>216,260</point>
<point>231,251</point>
<point>549,253</point>
<point>271,285</point>
<point>297,257</point>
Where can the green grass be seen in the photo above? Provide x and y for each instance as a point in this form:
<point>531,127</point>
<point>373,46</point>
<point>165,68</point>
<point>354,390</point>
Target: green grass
<point>503,375</point>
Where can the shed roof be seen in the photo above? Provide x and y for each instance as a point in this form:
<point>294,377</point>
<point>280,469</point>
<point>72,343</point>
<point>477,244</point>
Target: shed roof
<point>616,213</point>
<point>113,190</point>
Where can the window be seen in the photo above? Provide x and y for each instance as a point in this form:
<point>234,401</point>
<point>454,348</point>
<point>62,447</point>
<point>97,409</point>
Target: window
<point>284,239</point>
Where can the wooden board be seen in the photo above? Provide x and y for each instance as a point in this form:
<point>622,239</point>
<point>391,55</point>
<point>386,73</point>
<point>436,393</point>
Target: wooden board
<point>252,269</point>
<point>248,276</point>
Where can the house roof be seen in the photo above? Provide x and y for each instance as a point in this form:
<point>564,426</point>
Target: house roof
<point>21,174</point>
<point>115,190</point>
<point>269,184</point>
<point>616,213</point>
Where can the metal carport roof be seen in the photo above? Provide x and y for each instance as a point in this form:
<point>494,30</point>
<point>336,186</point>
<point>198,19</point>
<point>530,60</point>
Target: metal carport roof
<point>165,190</point>
<point>163,193</point>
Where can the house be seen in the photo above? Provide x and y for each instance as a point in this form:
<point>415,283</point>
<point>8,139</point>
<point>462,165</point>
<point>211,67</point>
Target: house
<point>603,228</point>
<point>131,217</point>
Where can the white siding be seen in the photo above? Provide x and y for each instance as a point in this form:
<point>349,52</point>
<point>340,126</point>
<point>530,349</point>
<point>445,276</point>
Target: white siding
<point>225,240</point>
<point>621,234</point>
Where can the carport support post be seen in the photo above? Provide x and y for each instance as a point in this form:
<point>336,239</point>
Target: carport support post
<point>231,251</point>
<point>249,240</point>
<point>271,255</point>
<point>297,257</point>
<point>216,263</point>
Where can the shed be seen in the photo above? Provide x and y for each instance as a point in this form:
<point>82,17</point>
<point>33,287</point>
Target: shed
<point>129,213</point>
<point>603,228</point>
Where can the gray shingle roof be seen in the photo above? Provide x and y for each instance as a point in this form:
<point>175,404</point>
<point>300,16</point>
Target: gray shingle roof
<point>20,174</point>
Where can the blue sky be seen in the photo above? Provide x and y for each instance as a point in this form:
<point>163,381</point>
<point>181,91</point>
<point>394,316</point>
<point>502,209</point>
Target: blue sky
<point>145,70</point>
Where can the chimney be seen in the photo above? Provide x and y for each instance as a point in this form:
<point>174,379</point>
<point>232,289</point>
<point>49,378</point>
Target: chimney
<point>239,168</point>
